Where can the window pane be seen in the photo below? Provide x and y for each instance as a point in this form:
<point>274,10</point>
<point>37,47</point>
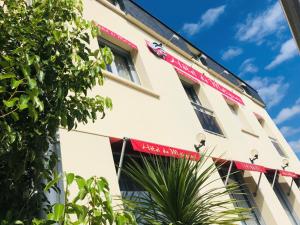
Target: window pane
<point>122,66</point>
<point>278,147</point>
<point>205,116</point>
<point>208,122</point>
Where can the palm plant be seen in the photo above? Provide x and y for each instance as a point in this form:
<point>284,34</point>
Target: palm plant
<point>180,192</point>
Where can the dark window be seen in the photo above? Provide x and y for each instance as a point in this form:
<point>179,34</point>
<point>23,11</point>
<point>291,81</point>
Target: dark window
<point>243,196</point>
<point>122,64</point>
<point>277,147</point>
<point>282,197</point>
<point>206,117</point>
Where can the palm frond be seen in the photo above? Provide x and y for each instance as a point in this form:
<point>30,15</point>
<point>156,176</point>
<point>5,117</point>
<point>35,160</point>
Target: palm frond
<point>181,191</point>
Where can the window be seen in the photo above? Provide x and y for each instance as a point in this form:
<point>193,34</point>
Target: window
<point>122,64</point>
<point>244,197</point>
<point>277,147</point>
<point>206,116</point>
<point>282,197</point>
<point>242,120</point>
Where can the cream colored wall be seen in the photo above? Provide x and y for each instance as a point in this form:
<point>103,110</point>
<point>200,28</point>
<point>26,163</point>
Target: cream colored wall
<point>88,155</point>
<point>159,111</point>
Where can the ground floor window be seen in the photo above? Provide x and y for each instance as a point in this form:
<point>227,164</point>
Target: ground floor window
<point>283,198</point>
<point>244,198</point>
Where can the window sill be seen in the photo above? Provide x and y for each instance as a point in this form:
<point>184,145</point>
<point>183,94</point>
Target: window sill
<point>249,132</point>
<point>210,132</point>
<point>130,84</point>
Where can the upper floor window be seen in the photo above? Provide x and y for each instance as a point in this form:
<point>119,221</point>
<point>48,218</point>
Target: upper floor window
<point>268,131</point>
<point>278,147</point>
<point>241,118</point>
<point>206,116</point>
<point>122,65</point>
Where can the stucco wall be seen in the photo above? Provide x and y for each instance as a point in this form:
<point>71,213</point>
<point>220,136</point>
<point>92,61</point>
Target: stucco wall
<point>159,111</point>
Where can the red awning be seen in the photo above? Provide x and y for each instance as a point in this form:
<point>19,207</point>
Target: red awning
<point>156,149</point>
<point>250,167</point>
<point>288,174</point>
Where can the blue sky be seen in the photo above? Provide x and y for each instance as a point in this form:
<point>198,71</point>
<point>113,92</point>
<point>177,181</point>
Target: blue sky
<point>250,38</point>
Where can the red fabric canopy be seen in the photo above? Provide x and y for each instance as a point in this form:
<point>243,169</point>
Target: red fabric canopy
<point>250,167</point>
<point>288,174</point>
<point>156,149</point>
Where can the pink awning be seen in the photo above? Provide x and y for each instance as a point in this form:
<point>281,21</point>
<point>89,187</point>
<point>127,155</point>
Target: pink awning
<point>157,149</point>
<point>116,36</point>
<point>288,174</point>
<point>250,167</point>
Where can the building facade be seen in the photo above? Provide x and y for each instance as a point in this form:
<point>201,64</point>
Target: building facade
<point>165,91</point>
<point>291,9</point>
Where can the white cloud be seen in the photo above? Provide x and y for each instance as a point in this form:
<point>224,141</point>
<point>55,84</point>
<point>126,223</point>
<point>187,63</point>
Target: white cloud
<point>289,131</point>
<point>295,145</point>
<point>257,28</point>
<point>272,90</point>
<point>288,112</point>
<point>248,67</point>
<point>207,20</point>
<point>231,52</point>
<point>288,50</point>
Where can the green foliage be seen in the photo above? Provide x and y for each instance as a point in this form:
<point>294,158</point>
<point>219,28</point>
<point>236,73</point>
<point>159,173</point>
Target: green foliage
<point>92,204</point>
<point>180,192</point>
<point>46,71</point>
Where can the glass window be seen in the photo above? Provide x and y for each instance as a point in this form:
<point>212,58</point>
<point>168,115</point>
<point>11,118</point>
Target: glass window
<point>244,197</point>
<point>241,118</point>
<point>278,147</point>
<point>206,117</point>
<point>282,197</point>
<point>122,64</point>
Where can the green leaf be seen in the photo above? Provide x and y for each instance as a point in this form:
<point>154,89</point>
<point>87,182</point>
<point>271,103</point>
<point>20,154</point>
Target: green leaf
<point>2,89</point>
<point>15,83</point>
<point>33,113</point>
<point>58,211</point>
<point>7,76</point>
<point>26,71</point>
<point>15,116</point>
<point>41,76</point>
<point>70,178</point>
<point>38,103</point>
<point>23,102</point>
<point>52,183</point>
<point>10,103</point>
<point>32,83</point>
<point>57,34</point>
<point>80,182</point>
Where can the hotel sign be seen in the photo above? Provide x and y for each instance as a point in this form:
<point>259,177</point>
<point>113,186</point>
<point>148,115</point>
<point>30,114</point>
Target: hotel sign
<point>190,73</point>
<point>250,167</point>
<point>156,149</point>
<point>288,174</point>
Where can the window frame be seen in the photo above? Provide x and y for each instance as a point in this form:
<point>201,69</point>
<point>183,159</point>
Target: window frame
<point>200,110</point>
<point>117,50</point>
<point>278,147</point>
